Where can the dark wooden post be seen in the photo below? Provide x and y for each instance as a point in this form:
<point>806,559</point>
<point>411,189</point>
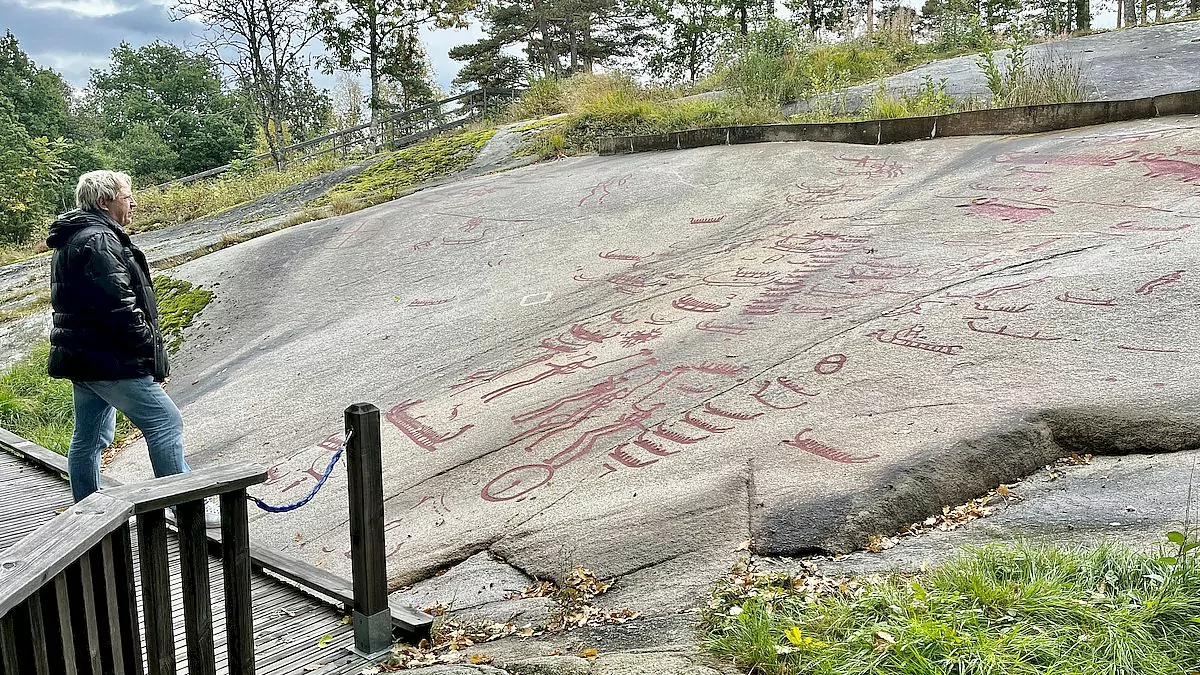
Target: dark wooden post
<point>235,554</point>
<point>372,619</point>
<point>156,593</point>
<point>197,593</point>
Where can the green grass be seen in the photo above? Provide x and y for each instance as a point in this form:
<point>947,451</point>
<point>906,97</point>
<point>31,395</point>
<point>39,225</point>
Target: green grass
<point>35,406</point>
<point>181,203</point>
<point>406,169</point>
<point>998,610</point>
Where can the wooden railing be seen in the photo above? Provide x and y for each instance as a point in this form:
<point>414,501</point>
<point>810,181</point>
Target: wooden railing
<point>395,131</point>
<point>68,603</point>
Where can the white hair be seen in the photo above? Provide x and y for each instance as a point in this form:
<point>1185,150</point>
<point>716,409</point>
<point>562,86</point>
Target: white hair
<point>96,185</point>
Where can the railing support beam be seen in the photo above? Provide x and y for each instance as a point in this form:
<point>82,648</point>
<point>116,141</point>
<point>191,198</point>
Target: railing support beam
<point>364,464</point>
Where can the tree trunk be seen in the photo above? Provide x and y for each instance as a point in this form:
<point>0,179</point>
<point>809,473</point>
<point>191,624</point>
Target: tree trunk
<point>574,43</point>
<point>1158,11</point>
<point>1145,12</point>
<point>376,104</point>
<point>870,17</point>
<point>550,64</point>
<point>1120,11</point>
<point>1131,14</point>
<point>1083,15</point>
<point>587,45</point>
<point>743,20</point>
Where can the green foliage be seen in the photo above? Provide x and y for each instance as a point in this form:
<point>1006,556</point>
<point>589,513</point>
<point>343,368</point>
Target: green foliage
<point>998,609</point>
<point>178,304</point>
<point>181,203</point>
<point>39,96</point>
<point>689,36</point>
<point>542,98</point>
<point>31,170</point>
<point>162,113</point>
<point>408,168</point>
<point>1022,81</point>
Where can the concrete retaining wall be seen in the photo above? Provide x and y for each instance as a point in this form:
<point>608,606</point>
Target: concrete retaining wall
<point>1026,120</point>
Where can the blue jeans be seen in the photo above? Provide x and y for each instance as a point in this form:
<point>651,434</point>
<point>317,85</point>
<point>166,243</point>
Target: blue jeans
<point>146,404</point>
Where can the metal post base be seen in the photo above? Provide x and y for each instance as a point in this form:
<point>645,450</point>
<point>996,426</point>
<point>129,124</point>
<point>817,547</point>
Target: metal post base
<point>372,634</point>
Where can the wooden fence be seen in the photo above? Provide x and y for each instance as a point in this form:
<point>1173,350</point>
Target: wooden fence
<point>395,131</point>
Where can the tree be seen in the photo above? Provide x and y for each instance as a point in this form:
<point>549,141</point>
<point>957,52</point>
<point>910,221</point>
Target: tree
<point>381,37</point>
<point>39,96</point>
<point>31,170</point>
<point>691,34</point>
<point>263,43</point>
<point>160,91</point>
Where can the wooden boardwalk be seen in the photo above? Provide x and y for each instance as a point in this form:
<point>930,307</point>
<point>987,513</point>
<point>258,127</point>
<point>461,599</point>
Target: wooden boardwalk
<point>293,631</point>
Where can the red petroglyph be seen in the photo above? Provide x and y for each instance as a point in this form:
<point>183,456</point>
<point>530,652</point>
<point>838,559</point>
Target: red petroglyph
<point>581,332</point>
<point>1115,205</point>
<point>1035,247</point>
<point>430,303</point>
<point>676,437</point>
<point>730,415</point>
<point>831,364</point>
<point>759,310</point>
<point>1003,330</point>
<point>630,285</point>
<point>1033,158</point>
<point>581,277</point>
<point>517,482</point>
<point>703,425</point>
<point>472,224</point>
<point>706,221</point>
<point>915,308</point>
<point>1158,166</point>
<point>555,369</point>
<point>1080,300</point>
<point>1158,244</point>
<point>975,267</point>
<point>740,277</point>
<point>821,195</point>
<point>727,369</point>
<point>824,451</point>
<point>1009,309</point>
<point>652,447</point>
<point>622,456</point>
<point>760,396</point>
<point>996,290</point>
<point>872,167</point>
<point>874,273</point>
<point>994,208</point>
<point>613,255</point>
<point>481,191</point>
<point>913,337</point>
<point>603,189</point>
<point>727,328</point>
<point>421,245</point>
<point>1165,280</point>
<point>1133,226</point>
<point>1149,349</point>
<point>422,434</point>
<point>618,317</point>
<point>788,384</point>
<point>656,320</point>
<point>689,304</point>
<point>638,337</point>
<point>454,412</point>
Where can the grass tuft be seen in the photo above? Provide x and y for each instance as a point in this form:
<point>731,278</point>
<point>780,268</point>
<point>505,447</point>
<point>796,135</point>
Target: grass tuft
<point>994,610</point>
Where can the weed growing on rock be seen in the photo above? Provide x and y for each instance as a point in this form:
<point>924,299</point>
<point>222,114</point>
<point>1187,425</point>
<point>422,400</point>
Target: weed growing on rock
<point>1023,608</point>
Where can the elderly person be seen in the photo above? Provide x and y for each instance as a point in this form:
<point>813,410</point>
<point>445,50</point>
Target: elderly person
<point>105,338</point>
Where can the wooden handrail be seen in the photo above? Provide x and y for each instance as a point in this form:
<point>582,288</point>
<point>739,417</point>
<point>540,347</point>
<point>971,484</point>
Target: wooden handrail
<point>181,488</point>
<point>34,561</point>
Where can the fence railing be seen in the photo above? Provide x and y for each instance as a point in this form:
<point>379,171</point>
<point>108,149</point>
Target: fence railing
<point>67,597</point>
<point>394,131</point>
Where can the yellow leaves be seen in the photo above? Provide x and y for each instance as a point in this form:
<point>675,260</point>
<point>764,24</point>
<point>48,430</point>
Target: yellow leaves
<point>590,653</point>
<point>480,659</point>
<point>953,518</point>
<point>801,642</point>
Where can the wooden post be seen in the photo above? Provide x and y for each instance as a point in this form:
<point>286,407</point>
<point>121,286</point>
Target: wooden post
<point>156,593</point>
<point>364,464</point>
<point>197,593</point>
<point>235,555</point>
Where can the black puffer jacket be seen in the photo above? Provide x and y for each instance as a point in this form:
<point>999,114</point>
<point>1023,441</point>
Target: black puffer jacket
<point>105,314</point>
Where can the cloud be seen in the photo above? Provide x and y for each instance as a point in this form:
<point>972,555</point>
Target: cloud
<point>88,8</point>
<point>438,42</point>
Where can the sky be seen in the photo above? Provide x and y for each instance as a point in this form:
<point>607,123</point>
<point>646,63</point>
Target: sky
<point>75,36</point>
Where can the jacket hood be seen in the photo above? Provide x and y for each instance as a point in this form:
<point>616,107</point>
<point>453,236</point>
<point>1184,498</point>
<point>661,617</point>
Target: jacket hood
<point>73,221</point>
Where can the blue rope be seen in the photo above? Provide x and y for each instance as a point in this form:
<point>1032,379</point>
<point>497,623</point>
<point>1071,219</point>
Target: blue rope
<point>312,493</point>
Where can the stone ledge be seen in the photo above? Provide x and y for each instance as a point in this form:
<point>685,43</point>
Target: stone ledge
<point>997,121</point>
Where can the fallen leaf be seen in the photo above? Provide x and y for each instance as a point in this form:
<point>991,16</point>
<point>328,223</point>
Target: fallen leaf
<point>744,546</point>
<point>346,620</point>
<point>590,653</point>
<point>480,659</point>
<point>324,641</point>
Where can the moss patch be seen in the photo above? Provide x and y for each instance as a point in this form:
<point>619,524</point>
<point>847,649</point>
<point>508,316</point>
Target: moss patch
<point>178,304</point>
<point>435,158</point>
